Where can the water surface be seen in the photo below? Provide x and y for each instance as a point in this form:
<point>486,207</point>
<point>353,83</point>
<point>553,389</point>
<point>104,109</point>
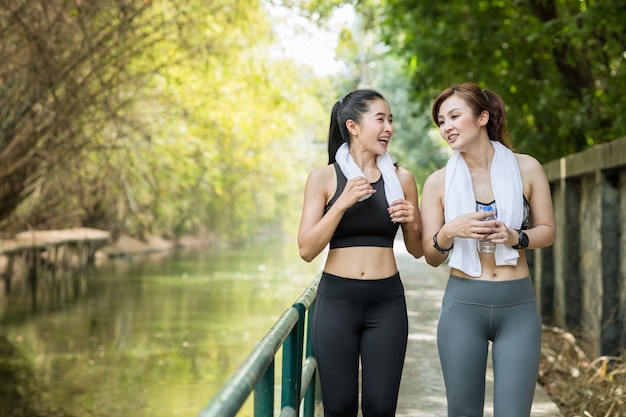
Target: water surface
<point>155,336</point>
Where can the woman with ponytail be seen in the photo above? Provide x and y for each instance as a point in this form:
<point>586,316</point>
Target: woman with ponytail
<point>355,205</point>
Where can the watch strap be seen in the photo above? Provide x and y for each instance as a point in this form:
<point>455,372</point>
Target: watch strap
<point>522,242</point>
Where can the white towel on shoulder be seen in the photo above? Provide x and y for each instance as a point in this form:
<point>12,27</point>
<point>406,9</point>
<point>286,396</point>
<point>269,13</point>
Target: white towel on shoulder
<point>506,182</point>
<point>393,188</point>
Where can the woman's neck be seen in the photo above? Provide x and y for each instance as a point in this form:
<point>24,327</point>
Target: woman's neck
<point>366,161</point>
<point>480,157</point>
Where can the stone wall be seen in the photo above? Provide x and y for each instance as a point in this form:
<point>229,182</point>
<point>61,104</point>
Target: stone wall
<point>581,279</point>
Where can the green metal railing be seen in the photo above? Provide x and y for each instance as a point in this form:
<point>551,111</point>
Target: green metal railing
<point>256,373</point>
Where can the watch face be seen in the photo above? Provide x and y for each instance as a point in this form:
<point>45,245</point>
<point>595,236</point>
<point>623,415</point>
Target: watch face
<point>523,239</point>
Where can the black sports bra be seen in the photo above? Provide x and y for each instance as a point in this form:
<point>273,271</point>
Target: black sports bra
<point>367,223</point>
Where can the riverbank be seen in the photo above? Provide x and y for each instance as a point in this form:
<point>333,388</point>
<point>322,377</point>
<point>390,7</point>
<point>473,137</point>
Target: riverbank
<point>126,245</point>
<point>28,254</point>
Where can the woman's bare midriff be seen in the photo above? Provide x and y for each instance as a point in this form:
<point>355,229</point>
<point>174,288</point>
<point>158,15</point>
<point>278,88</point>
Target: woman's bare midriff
<point>493,272</point>
<point>361,262</point>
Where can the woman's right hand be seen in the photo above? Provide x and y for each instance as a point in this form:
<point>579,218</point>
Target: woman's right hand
<point>354,190</point>
<point>472,225</point>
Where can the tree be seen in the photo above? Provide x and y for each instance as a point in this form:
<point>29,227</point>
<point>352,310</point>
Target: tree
<point>150,118</point>
<point>370,65</point>
<point>64,78</point>
<point>559,65</point>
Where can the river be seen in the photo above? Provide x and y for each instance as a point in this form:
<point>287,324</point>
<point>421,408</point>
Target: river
<point>153,336</point>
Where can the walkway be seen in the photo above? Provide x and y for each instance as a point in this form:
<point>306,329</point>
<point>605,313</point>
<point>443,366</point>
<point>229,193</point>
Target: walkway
<point>422,392</point>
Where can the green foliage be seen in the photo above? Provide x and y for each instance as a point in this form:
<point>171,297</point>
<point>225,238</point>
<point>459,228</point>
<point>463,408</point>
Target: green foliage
<point>559,65</point>
<point>235,134</point>
<point>157,118</point>
<point>58,60</point>
<point>169,117</point>
<point>370,64</point>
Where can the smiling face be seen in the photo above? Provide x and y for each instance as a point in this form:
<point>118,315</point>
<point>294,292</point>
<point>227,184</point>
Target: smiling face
<point>375,129</point>
<point>458,124</point>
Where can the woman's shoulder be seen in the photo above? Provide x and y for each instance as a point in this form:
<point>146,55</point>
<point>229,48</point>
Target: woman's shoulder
<point>531,170</point>
<point>406,178</point>
<point>322,173</point>
<point>438,177</point>
<point>403,173</point>
<point>435,182</point>
<point>527,162</point>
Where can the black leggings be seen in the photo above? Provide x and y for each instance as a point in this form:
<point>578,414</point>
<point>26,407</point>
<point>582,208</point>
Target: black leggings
<point>364,319</point>
<point>473,313</point>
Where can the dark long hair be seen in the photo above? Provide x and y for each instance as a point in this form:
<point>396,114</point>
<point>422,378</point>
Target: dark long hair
<point>351,107</point>
<point>479,100</point>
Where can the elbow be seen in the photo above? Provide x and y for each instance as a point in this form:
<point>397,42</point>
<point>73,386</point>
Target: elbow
<point>553,236</point>
<point>414,244</point>
<point>309,249</point>
<point>305,252</point>
<point>432,261</point>
<point>417,253</point>
<point>307,259</point>
<point>546,239</point>
<point>306,255</point>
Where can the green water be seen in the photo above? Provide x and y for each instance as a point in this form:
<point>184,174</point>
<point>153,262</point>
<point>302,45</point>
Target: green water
<point>147,337</point>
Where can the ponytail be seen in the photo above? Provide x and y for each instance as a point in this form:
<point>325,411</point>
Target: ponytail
<point>351,107</point>
<point>335,137</point>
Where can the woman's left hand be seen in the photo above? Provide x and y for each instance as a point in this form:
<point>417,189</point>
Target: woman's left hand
<point>401,211</point>
<point>502,234</point>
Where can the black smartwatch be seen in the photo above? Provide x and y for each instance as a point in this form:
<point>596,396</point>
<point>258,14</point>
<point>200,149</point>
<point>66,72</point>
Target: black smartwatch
<point>523,240</point>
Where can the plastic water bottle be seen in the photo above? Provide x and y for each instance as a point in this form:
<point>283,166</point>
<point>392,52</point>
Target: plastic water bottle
<point>487,246</point>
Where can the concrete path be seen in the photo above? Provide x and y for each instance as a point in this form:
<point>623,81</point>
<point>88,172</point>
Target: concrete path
<point>422,392</point>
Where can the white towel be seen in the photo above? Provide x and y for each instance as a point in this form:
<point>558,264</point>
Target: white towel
<point>506,182</point>
<point>393,188</point>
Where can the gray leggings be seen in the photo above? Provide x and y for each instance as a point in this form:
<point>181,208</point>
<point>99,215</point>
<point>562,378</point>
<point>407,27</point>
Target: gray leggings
<point>473,313</point>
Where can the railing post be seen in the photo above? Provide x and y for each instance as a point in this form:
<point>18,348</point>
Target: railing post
<point>309,399</point>
<point>292,363</point>
<point>257,371</point>
<point>229,400</point>
<point>264,393</point>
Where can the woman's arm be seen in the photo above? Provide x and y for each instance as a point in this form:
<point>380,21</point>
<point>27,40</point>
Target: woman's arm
<point>543,230</point>
<point>412,222</point>
<point>431,210</point>
<point>316,228</point>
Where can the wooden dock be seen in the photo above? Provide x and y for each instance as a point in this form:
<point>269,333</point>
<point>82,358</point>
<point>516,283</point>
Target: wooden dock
<point>50,249</point>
